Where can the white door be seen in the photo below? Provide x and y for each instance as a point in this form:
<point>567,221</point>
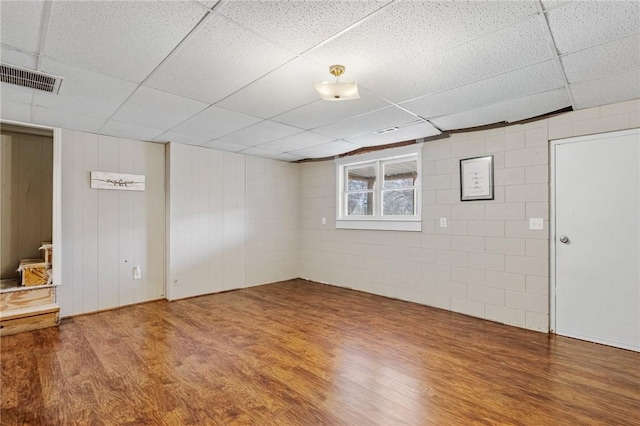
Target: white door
<point>597,238</point>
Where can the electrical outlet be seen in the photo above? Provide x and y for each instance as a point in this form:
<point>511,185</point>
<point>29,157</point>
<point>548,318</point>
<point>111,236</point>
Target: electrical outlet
<point>137,273</point>
<point>536,223</point>
<point>324,220</point>
<point>443,222</point>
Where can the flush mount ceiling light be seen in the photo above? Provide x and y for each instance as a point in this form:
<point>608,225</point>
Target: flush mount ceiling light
<point>337,91</point>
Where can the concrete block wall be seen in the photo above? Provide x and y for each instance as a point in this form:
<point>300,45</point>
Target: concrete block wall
<point>486,263</point>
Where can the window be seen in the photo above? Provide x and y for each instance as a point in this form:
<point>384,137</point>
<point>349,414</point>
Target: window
<point>380,190</point>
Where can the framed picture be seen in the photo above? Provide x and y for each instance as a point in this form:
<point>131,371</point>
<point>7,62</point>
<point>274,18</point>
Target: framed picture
<point>476,178</point>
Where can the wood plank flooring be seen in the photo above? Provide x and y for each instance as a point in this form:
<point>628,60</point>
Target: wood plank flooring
<point>301,353</point>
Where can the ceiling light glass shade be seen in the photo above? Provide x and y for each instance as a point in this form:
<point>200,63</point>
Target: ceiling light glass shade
<point>337,91</point>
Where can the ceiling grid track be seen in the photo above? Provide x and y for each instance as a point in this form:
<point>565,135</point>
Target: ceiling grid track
<point>42,42</point>
<point>310,49</point>
<point>170,55</point>
<point>552,45</point>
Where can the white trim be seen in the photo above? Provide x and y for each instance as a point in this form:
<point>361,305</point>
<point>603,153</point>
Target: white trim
<point>56,216</point>
<point>56,229</point>
<point>552,236</point>
<point>380,225</point>
<point>552,209</point>
<point>377,155</point>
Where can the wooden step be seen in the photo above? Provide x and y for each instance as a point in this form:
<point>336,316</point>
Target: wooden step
<point>23,297</point>
<point>16,321</point>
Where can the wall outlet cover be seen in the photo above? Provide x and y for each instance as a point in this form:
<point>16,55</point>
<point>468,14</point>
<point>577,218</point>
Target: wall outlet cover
<point>536,223</point>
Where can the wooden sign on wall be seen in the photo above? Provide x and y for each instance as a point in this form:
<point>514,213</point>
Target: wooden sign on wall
<point>121,181</point>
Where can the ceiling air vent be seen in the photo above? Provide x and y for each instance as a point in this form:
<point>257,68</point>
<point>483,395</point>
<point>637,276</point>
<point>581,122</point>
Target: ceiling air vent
<point>28,78</point>
<point>387,130</point>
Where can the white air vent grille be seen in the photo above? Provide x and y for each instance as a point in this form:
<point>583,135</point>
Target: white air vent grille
<point>28,78</point>
<point>387,130</point>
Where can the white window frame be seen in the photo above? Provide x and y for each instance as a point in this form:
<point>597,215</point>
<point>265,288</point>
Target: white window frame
<point>377,221</point>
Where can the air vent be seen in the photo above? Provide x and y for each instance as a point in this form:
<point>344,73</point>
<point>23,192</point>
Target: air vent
<point>387,130</point>
<point>28,78</point>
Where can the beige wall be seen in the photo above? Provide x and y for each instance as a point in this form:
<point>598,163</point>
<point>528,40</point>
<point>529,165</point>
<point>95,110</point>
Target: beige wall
<point>26,169</point>
<point>232,221</point>
<point>105,233</point>
<point>486,263</point>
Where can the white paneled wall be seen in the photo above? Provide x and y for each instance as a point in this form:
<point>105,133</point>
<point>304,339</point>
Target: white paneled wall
<point>26,173</point>
<point>106,233</point>
<point>272,200</point>
<point>232,221</point>
<point>206,221</point>
<point>486,263</point>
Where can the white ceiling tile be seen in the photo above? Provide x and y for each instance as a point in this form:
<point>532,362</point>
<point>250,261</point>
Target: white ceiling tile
<point>582,24</point>
<point>265,153</point>
<point>124,39</point>
<point>209,3</point>
<point>325,150</point>
<point>533,105</point>
<point>21,24</point>
<point>66,120</point>
<point>215,122</point>
<point>368,123</point>
<point>14,111</point>
<point>612,88</point>
<point>129,131</point>
<point>220,59</point>
<point>297,141</point>
<point>320,113</point>
<point>18,58</point>
<point>224,146</point>
<point>416,30</point>
<point>552,4</point>
<point>413,131</point>
<point>157,109</point>
<point>519,45</point>
<point>533,79</point>
<point>508,111</point>
<point>14,93</point>
<point>296,25</point>
<point>83,92</point>
<point>608,58</point>
<point>284,89</point>
<point>181,138</point>
<point>283,156</point>
<point>459,63</point>
<point>259,133</point>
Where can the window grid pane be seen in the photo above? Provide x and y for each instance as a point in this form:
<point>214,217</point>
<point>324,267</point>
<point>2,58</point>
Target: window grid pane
<point>400,174</point>
<point>359,203</point>
<point>361,177</point>
<point>398,202</point>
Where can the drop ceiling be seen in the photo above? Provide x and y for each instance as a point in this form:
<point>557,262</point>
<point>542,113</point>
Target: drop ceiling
<point>238,75</point>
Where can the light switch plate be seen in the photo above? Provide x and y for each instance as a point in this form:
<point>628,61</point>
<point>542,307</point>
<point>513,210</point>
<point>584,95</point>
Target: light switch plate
<point>536,223</point>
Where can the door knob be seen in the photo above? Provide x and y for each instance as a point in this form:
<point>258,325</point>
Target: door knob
<point>564,239</point>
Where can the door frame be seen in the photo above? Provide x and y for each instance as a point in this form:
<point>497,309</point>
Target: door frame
<point>552,209</point>
<point>56,220</point>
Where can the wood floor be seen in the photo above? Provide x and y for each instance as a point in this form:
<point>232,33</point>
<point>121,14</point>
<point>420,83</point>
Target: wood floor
<point>300,353</point>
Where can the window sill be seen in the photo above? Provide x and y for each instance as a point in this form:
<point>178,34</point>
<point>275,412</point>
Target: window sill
<point>381,225</point>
